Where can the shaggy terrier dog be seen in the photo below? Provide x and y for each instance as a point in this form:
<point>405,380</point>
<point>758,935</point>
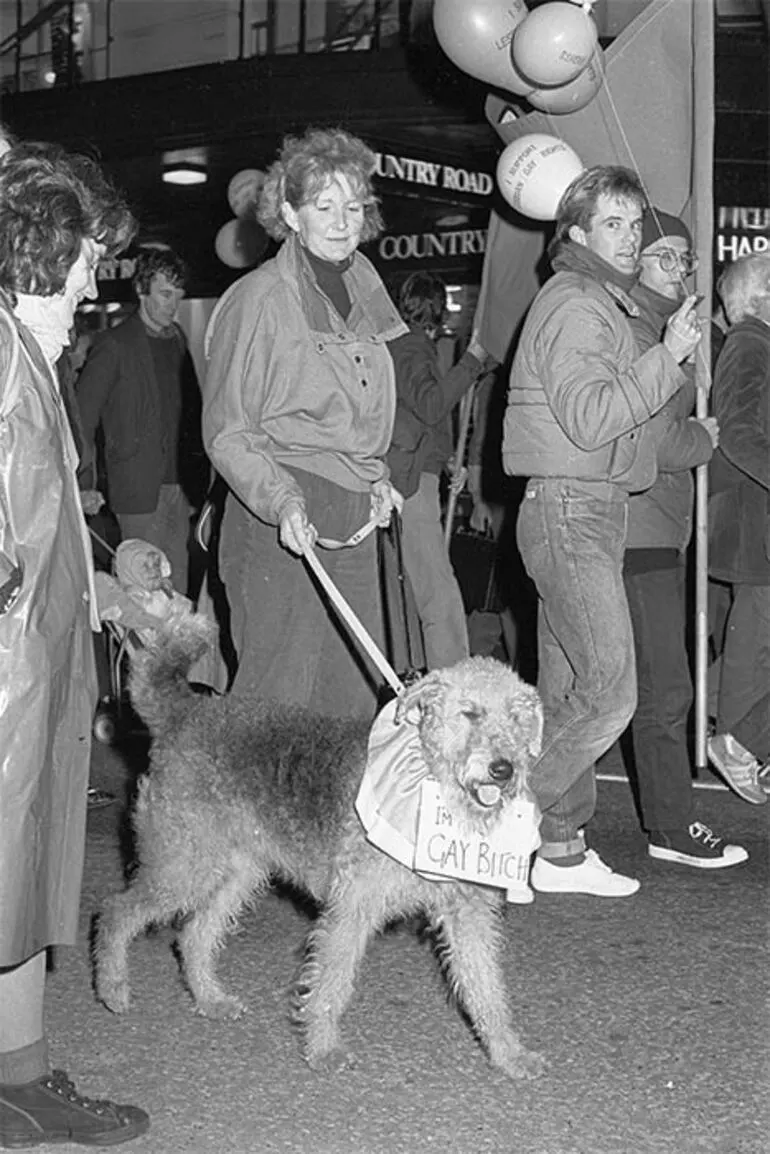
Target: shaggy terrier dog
<point>240,792</point>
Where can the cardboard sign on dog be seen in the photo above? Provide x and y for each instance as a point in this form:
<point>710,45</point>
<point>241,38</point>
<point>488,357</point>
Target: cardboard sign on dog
<point>500,858</point>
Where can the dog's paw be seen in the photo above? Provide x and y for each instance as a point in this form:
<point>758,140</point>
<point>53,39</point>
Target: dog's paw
<point>116,996</point>
<point>224,1009</point>
<point>522,1064</point>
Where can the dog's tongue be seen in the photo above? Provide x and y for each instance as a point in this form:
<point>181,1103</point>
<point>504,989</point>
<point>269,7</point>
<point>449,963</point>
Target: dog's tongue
<point>488,794</point>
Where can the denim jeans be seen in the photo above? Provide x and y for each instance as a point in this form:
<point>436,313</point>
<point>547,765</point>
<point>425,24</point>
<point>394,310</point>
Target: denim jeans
<point>571,536</point>
<point>436,592</point>
<point>662,768</point>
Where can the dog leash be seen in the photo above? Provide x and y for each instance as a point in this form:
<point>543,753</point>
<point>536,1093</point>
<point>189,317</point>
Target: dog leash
<point>354,623</point>
<point>100,541</point>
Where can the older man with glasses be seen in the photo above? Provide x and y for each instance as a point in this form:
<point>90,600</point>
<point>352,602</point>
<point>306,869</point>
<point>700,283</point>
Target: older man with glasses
<point>659,528</point>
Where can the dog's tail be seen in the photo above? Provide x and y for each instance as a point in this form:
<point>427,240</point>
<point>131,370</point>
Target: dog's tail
<point>158,685</point>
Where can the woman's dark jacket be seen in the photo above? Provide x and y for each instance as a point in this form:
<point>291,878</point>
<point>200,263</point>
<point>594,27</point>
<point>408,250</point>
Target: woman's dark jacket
<point>422,431</point>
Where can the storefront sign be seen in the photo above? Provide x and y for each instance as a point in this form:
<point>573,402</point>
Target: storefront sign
<point>428,245</point>
<point>112,269</point>
<point>432,174</point>
<point>741,231</point>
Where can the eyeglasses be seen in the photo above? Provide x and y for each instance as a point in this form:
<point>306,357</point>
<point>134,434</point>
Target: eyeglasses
<point>669,259</point>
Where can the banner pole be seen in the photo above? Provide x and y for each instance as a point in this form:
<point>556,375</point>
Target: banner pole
<point>703,18</point>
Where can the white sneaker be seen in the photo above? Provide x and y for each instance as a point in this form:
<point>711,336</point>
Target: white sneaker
<point>520,894</point>
<point>590,877</point>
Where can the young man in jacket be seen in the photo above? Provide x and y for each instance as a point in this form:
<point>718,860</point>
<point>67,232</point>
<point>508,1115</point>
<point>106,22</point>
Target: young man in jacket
<point>579,399</point>
<point>659,529</point>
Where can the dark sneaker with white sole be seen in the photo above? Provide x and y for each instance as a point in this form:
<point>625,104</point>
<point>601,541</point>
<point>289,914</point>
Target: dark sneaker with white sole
<point>50,1111</point>
<point>697,845</point>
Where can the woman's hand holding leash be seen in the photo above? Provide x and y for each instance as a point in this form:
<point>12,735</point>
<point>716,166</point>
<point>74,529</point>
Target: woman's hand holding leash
<point>384,500</point>
<point>295,531</point>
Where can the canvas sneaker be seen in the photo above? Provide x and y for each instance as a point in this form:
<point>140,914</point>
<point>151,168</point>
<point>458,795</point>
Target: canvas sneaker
<point>50,1111</point>
<point>592,876</point>
<point>738,766</point>
<point>697,845</point>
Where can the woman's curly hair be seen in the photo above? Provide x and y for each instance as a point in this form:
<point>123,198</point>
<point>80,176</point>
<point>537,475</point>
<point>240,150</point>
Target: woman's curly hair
<point>304,167</point>
<point>50,202</point>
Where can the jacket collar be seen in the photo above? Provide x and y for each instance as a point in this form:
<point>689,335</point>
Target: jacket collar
<point>373,314</point>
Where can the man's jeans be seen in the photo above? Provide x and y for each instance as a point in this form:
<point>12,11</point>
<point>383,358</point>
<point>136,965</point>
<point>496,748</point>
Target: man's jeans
<point>571,536</point>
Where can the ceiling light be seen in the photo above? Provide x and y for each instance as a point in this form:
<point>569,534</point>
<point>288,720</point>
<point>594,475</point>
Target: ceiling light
<point>185,172</point>
<point>452,220</point>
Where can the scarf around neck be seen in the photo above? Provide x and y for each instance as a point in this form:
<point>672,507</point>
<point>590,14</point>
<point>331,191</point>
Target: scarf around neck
<point>43,317</point>
<point>573,257</point>
<point>655,302</point>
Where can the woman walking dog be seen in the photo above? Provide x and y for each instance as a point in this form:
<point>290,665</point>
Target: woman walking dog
<point>298,409</point>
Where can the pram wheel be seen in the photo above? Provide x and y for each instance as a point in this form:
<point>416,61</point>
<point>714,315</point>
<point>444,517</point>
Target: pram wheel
<point>104,727</point>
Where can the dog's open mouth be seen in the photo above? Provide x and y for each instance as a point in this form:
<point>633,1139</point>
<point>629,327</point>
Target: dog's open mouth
<point>487,794</point>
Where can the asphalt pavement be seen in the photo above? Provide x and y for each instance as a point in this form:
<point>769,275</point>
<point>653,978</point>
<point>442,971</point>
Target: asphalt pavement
<point>652,1011</point>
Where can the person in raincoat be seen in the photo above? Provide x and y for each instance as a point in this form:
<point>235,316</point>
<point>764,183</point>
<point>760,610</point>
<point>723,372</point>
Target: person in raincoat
<point>58,217</point>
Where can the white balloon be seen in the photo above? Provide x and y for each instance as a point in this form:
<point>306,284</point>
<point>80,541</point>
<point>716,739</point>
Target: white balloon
<point>534,171</point>
<point>243,189</point>
<point>240,243</point>
<point>575,95</point>
<point>554,43</point>
<point>476,36</point>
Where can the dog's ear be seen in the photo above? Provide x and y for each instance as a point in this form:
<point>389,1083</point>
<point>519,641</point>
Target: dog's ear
<point>424,695</point>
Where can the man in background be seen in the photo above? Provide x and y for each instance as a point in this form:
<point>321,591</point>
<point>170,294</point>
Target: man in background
<point>139,385</point>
